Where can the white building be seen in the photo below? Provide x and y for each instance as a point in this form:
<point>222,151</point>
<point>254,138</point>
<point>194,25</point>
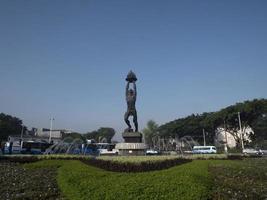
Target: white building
<point>46,133</point>
<point>222,136</point>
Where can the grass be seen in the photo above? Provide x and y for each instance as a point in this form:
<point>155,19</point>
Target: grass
<point>18,183</point>
<point>80,181</point>
<point>245,179</point>
<point>199,179</point>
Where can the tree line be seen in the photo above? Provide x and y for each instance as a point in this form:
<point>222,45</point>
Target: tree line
<point>10,126</point>
<point>252,113</point>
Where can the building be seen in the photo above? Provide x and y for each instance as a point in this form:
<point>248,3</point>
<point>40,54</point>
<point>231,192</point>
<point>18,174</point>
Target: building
<point>222,136</point>
<point>39,135</point>
<point>56,135</point>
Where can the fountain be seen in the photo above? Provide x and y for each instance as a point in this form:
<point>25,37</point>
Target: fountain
<point>72,146</point>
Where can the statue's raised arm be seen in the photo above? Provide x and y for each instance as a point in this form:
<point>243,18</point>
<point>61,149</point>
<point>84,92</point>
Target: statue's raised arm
<point>135,91</point>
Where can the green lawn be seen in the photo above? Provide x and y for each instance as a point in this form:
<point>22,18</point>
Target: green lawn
<point>245,179</point>
<point>80,181</point>
<point>199,179</point>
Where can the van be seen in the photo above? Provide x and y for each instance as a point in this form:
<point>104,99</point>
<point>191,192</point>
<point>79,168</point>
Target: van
<point>107,149</point>
<point>204,149</point>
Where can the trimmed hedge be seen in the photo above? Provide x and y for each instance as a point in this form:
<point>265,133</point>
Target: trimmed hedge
<point>108,165</point>
<point>144,166</point>
<point>20,159</point>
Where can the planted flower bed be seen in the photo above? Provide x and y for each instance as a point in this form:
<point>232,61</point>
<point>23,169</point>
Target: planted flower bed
<point>18,183</point>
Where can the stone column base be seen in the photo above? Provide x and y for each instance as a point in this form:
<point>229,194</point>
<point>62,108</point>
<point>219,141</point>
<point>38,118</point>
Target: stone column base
<point>131,149</point>
<point>132,137</point>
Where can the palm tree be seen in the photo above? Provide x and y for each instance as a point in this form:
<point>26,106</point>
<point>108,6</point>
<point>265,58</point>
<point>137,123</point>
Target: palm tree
<point>150,131</point>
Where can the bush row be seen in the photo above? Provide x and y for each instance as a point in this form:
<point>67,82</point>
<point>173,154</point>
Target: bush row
<point>144,166</point>
<point>108,165</point>
<point>20,159</point>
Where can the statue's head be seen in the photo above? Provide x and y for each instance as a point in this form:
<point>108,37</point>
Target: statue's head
<point>131,92</point>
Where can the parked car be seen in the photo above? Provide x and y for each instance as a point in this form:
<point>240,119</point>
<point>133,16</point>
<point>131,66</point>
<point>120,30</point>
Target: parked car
<point>263,152</point>
<point>151,152</point>
<point>251,151</point>
<point>107,149</point>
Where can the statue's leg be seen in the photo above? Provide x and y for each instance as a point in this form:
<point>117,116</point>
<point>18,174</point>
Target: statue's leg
<point>135,121</point>
<point>126,119</point>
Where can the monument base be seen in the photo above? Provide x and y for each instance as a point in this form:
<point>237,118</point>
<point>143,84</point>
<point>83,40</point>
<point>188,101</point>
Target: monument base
<point>132,137</point>
<point>131,149</point>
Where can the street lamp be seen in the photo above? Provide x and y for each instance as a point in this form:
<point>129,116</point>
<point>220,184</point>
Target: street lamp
<point>51,125</point>
<point>21,133</point>
<point>204,137</point>
<point>241,132</point>
<point>225,135</point>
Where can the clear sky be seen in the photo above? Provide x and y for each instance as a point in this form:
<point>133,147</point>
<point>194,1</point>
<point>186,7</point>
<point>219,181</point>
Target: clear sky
<point>69,59</point>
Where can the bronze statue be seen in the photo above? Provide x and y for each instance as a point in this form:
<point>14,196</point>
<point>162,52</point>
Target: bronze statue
<point>131,99</point>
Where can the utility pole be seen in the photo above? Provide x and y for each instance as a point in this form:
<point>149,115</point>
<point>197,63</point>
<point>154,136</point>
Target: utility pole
<point>225,135</point>
<point>21,134</point>
<point>241,132</point>
<point>204,137</point>
<point>51,125</point>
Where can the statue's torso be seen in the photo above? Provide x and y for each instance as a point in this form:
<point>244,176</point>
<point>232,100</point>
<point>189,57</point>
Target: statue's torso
<point>131,102</point>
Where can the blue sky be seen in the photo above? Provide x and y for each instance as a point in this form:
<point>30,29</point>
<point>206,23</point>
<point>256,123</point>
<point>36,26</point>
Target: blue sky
<point>69,59</point>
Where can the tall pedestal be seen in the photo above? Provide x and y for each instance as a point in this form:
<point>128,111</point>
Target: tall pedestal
<point>132,137</point>
<point>132,145</point>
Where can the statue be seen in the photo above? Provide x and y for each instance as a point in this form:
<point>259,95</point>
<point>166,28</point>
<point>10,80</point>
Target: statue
<point>131,99</point>
<point>132,144</point>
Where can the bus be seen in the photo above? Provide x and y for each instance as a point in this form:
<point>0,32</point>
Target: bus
<point>12,147</point>
<point>204,149</point>
<point>33,147</point>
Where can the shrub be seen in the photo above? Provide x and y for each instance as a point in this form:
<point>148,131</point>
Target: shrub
<point>235,156</point>
<point>109,165</point>
<point>20,159</point>
<point>143,166</point>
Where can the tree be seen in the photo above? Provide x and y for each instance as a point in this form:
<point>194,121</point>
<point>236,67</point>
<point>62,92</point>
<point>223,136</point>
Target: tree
<point>260,127</point>
<point>192,125</point>
<point>253,114</point>
<point>10,125</point>
<point>103,134</point>
<point>150,131</point>
<point>73,135</point>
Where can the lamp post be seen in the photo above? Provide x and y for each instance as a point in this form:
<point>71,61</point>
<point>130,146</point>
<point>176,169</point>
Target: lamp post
<point>21,134</point>
<point>241,132</point>
<point>51,125</point>
<point>225,135</point>
<point>204,137</point>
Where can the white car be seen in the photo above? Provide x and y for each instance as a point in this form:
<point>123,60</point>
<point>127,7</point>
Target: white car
<point>263,152</point>
<point>108,152</point>
<point>107,149</point>
<point>251,151</point>
<point>151,152</point>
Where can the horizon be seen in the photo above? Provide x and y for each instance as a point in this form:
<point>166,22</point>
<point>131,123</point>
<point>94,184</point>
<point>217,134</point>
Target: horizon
<point>69,60</point>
